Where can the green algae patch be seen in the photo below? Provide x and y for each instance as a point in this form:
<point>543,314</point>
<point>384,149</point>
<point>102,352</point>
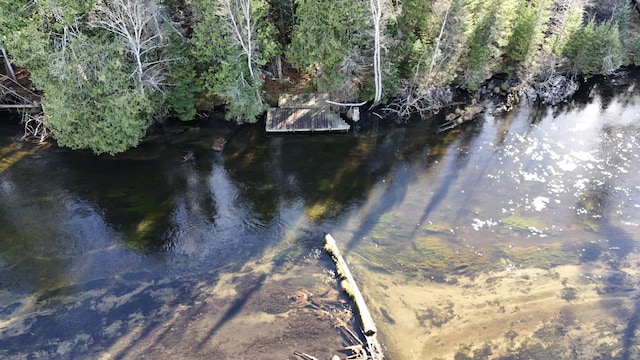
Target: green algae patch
<point>430,257</point>
<point>143,236</point>
<point>431,252</point>
<point>306,282</point>
<point>591,225</point>
<point>267,187</point>
<point>541,256</point>
<point>61,291</point>
<point>11,155</point>
<point>387,232</point>
<point>323,209</point>
<point>516,222</point>
<point>325,185</point>
<point>440,228</point>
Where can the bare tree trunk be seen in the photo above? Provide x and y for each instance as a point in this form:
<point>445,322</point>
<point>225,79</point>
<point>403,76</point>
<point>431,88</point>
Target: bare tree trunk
<point>376,13</point>
<point>435,50</point>
<point>7,66</point>
<point>243,28</point>
<point>279,66</point>
<point>138,25</point>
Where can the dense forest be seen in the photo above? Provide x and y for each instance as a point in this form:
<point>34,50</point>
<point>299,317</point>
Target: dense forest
<point>107,69</point>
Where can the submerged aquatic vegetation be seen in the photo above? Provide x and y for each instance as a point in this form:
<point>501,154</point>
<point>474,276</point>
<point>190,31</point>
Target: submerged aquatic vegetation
<point>432,252</point>
<point>430,257</point>
<point>142,236</point>
<point>324,209</point>
<point>515,222</point>
<point>543,256</point>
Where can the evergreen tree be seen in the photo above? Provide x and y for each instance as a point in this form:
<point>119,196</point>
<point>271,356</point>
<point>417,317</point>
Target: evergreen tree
<point>231,41</point>
<point>594,49</point>
<point>182,87</point>
<point>33,32</point>
<point>488,27</point>
<point>528,30</point>
<point>101,65</point>
<point>416,34</point>
<point>633,50</point>
<point>329,39</point>
<point>565,21</point>
<point>91,102</point>
<point>478,45</point>
<point>442,43</point>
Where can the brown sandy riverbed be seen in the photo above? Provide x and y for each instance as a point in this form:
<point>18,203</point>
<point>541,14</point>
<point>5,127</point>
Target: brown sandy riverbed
<point>571,311</point>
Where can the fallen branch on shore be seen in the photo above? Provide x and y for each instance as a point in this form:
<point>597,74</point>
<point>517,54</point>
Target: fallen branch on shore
<point>339,320</point>
<point>460,116</point>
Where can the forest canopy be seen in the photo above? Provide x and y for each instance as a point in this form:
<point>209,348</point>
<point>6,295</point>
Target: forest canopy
<point>108,68</point>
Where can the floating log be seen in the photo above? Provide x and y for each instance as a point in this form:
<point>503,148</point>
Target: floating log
<point>350,287</point>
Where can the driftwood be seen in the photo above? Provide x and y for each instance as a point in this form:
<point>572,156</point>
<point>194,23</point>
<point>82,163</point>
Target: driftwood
<point>188,156</point>
<point>345,104</point>
<point>304,355</point>
<point>339,319</point>
<point>351,288</point>
<point>460,116</point>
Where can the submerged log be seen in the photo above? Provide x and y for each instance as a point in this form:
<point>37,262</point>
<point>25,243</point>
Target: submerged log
<point>350,287</point>
<point>219,143</point>
<point>188,156</point>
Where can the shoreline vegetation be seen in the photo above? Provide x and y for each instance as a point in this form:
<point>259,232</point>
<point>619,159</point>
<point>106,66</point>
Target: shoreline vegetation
<point>103,71</point>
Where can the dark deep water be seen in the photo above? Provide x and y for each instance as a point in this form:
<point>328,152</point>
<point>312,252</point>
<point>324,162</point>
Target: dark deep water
<point>512,237</point>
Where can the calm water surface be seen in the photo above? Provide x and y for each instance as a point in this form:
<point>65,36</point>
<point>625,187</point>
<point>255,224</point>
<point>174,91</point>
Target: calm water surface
<point>513,237</point>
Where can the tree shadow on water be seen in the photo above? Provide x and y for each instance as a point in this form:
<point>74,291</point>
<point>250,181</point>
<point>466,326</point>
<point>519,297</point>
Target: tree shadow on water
<point>618,283</point>
<point>252,286</point>
<point>392,195</point>
<point>629,334</point>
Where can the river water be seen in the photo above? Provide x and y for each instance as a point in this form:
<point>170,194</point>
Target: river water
<point>512,237</point>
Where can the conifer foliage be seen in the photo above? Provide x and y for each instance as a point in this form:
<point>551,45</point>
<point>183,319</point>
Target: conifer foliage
<point>108,68</point>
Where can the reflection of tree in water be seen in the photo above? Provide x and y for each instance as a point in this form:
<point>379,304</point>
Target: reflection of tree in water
<point>31,224</point>
<point>540,112</point>
<point>606,90</point>
<point>132,194</point>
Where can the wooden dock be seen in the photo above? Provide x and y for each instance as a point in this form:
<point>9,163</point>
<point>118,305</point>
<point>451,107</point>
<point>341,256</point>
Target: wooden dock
<point>304,113</point>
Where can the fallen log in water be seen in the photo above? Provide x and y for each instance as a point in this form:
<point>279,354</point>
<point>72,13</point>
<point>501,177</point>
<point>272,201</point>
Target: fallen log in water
<point>351,288</point>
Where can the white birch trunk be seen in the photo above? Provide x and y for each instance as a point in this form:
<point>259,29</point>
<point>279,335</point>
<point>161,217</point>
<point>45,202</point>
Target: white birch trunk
<point>136,23</point>
<point>376,14</point>
<point>242,27</point>
<point>437,48</point>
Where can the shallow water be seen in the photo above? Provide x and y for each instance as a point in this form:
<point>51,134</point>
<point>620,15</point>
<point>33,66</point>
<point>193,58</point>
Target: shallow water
<point>512,237</point>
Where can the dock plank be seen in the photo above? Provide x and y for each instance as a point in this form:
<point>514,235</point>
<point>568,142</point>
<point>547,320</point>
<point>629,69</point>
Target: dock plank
<point>304,113</point>
<point>304,120</point>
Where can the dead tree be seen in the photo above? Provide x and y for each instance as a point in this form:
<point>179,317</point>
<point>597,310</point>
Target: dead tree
<point>428,97</point>
<point>143,30</point>
<point>35,127</point>
<point>239,19</point>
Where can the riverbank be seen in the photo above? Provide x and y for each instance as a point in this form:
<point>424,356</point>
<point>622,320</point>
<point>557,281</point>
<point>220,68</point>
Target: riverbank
<point>515,234</point>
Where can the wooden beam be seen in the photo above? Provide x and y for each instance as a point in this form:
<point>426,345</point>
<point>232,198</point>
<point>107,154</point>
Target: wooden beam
<point>19,106</point>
